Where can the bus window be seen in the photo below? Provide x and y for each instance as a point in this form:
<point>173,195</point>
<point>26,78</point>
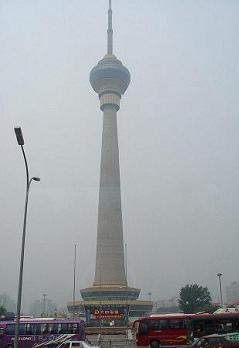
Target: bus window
<point>228,327</point>
<point>22,329</point>
<point>36,329</point>
<point>52,328</point>
<point>163,324</point>
<point>154,324</point>
<point>62,328</point>
<point>206,327</point>
<point>44,329</point>
<point>235,325</point>
<point>73,328</point>
<point>176,324</point>
<point>10,329</point>
<point>144,327</point>
<point>29,329</point>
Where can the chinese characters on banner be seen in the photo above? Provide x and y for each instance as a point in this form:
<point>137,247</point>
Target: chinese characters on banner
<point>102,314</point>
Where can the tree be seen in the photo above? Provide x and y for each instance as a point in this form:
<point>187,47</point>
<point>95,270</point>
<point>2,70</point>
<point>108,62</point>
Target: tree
<point>194,298</point>
<point>3,311</point>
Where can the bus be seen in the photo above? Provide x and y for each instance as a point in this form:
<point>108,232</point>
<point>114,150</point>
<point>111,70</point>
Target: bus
<point>32,332</point>
<point>221,323</point>
<point>165,329</point>
<point>180,329</point>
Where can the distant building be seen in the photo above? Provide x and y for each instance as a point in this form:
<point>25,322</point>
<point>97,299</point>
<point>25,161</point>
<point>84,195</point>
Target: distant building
<point>167,305</point>
<point>7,303</point>
<point>41,308</point>
<point>232,293</point>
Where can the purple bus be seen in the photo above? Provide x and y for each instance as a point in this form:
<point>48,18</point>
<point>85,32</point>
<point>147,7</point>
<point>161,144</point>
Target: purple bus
<point>33,332</point>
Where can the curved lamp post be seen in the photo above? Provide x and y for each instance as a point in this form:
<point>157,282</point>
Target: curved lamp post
<point>20,141</point>
<point>219,275</point>
<point>74,284</point>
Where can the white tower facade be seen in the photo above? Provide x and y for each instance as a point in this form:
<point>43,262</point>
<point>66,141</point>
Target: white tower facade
<point>110,79</point>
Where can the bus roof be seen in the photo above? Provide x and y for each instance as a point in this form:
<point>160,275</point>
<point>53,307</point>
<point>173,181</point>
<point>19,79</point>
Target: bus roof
<point>167,316</point>
<point>195,316</point>
<point>42,320</point>
<point>216,315</point>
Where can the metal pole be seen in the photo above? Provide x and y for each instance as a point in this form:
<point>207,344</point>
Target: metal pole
<point>74,283</point>
<point>44,304</point>
<point>126,264</point>
<point>149,294</point>
<point>28,184</point>
<point>127,302</point>
<point>220,287</point>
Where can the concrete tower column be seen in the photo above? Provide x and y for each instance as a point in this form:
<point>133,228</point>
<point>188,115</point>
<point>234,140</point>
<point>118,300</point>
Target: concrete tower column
<point>110,268</point>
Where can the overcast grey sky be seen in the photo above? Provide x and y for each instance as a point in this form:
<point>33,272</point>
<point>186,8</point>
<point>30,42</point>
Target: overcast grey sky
<point>178,137</point>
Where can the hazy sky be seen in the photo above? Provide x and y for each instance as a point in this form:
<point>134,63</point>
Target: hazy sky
<point>178,137</point>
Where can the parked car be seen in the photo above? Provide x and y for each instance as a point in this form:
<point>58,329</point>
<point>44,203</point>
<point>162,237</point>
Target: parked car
<point>78,344</point>
<point>214,341</point>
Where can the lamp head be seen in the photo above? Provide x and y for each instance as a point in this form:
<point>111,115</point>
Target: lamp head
<point>19,135</point>
<point>35,178</point>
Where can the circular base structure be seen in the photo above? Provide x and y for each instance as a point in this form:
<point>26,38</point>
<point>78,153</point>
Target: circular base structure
<point>110,313</point>
<point>116,292</point>
<point>110,305</point>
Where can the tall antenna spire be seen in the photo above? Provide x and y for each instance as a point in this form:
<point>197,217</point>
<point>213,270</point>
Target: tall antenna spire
<point>109,31</point>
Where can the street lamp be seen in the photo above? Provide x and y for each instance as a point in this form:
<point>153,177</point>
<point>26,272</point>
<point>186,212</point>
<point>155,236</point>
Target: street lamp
<point>149,295</point>
<point>220,287</point>
<point>44,305</point>
<point>74,283</point>
<point>20,141</point>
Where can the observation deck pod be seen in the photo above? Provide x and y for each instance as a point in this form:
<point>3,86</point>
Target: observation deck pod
<point>110,76</point>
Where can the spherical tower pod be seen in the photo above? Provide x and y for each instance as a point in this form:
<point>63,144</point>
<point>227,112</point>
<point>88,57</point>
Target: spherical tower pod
<point>110,76</point>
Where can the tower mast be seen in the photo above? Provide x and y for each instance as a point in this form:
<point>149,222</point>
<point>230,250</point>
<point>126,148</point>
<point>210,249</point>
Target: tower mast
<point>110,31</point>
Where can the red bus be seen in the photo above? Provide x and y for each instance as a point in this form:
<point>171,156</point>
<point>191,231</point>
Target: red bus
<point>221,323</point>
<point>179,329</point>
<point>36,331</point>
<point>165,329</point>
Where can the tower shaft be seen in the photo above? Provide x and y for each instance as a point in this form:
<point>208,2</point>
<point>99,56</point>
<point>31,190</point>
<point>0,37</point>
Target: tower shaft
<point>110,268</point>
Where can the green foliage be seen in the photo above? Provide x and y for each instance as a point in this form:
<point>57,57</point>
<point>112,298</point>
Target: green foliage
<point>3,310</point>
<point>194,298</point>
<point>210,308</point>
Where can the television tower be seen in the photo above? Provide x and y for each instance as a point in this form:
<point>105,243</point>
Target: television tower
<point>110,79</point>
<point>110,296</point>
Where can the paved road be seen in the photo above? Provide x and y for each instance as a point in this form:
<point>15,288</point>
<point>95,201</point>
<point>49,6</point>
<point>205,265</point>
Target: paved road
<point>118,341</point>
<point>111,341</point>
